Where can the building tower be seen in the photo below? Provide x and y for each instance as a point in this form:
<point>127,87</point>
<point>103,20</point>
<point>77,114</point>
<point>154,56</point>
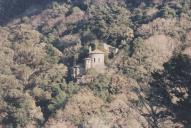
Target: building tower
<point>88,63</point>
<point>95,61</point>
<point>76,71</point>
<point>97,58</point>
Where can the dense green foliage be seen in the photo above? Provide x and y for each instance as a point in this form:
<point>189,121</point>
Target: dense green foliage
<point>147,83</point>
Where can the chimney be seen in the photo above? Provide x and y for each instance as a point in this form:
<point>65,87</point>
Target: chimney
<point>90,49</point>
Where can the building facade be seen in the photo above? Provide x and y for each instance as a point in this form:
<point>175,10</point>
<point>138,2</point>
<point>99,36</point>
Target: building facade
<point>95,61</point>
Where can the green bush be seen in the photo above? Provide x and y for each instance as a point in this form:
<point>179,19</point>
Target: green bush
<point>100,87</point>
<point>58,100</point>
<point>169,12</point>
<point>52,55</point>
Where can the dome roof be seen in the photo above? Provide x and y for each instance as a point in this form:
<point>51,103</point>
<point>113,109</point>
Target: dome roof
<point>96,51</point>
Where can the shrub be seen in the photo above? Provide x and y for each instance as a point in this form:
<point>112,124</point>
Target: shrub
<point>58,99</point>
<point>100,87</point>
<point>168,12</point>
<point>52,54</point>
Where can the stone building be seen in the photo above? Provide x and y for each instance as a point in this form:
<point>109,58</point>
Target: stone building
<point>95,61</point>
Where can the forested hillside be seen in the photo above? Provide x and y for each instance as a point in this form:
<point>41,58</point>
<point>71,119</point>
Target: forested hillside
<point>148,81</point>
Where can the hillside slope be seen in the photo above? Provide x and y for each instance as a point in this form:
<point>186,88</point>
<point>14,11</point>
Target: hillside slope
<point>147,84</point>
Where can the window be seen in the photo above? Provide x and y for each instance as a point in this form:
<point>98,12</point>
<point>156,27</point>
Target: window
<point>94,59</point>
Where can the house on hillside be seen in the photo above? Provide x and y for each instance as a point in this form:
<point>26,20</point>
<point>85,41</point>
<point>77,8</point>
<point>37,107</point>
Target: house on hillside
<point>95,61</point>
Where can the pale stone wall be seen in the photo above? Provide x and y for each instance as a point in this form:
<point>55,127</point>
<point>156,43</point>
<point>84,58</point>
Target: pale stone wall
<point>97,60</point>
<point>88,63</point>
